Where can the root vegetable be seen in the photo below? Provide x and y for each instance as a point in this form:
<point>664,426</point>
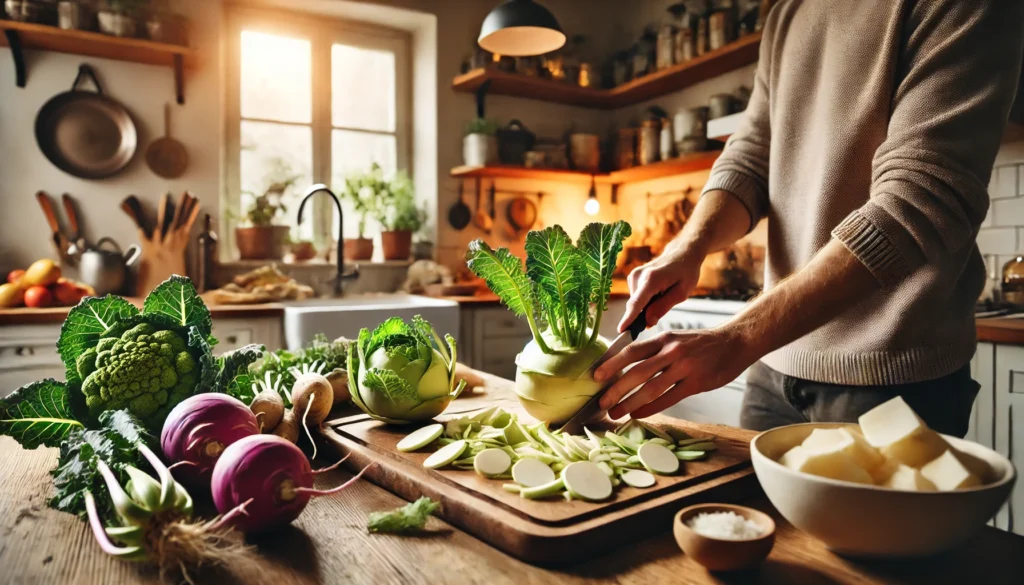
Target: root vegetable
<point>288,428</point>
<point>198,430</point>
<point>273,474</point>
<point>339,382</point>
<point>269,409</point>
<point>312,399</point>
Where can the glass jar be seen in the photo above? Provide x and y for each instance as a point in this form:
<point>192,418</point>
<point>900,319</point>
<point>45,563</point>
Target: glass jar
<point>648,141</point>
<point>625,148</point>
<point>665,142</point>
<point>1013,281</point>
<point>665,50</point>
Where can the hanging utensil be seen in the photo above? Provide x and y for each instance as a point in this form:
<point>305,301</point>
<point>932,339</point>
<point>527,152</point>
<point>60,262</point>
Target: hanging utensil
<point>60,241</point>
<point>76,241</point>
<point>459,214</point>
<point>86,134</point>
<point>482,219</point>
<point>166,156</point>
<point>491,196</point>
<point>521,214</point>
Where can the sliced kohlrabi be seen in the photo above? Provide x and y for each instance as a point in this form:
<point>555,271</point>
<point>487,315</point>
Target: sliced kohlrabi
<point>638,478</point>
<point>420,438</point>
<point>658,458</point>
<point>492,462</point>
<point>691,455</point>
<point>532,473</point>
<point>445,455</point>
<point>586,481</point>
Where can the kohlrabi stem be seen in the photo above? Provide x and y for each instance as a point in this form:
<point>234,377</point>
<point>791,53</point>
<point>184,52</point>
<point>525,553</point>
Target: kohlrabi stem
<point>331,467</point>
<point>536,332</point>
<point>313,492</point>
<point>100,534</point>
<point>597,326</point>
<point>237,510</point>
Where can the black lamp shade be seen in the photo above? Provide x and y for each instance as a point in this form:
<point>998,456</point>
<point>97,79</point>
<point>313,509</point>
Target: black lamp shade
<point>521,28</point>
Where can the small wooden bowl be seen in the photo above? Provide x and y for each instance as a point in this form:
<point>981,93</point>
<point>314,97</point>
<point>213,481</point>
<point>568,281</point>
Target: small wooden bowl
<point>719,554</point>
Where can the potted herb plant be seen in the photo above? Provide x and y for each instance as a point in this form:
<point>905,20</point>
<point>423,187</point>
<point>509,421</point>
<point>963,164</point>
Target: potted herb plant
<point>120,17</point>
<point>260,238</point>
<point>480,146</point>
<point>399,218</point>
<point>364,191</point>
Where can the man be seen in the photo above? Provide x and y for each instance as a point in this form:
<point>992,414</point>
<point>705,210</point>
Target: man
<point>868,144</point>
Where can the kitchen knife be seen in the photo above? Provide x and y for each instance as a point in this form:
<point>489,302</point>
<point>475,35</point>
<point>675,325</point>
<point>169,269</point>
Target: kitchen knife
<point>133,208</point>
<point>165,215</point>
<point>77,241</point>
<point>60,241</point>
<point>592,409</point>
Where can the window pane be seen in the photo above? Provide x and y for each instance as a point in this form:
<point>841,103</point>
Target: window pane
<point>276,78</point>
<point>277,153</point>
<point>363,88</point>
<point>353,152</point>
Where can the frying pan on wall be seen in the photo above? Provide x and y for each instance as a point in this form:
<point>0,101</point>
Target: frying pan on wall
<point>84,133</point>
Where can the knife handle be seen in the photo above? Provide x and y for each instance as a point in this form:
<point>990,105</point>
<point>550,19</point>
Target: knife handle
<point>71,213</point>
<point>48,211</point>
<point>640,323</point>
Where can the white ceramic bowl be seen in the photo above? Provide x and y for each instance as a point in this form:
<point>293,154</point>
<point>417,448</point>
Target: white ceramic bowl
<point>871,521</point>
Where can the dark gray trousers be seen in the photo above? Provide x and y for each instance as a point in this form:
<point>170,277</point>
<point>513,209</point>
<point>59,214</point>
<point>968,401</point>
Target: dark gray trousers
<point>773,399</point>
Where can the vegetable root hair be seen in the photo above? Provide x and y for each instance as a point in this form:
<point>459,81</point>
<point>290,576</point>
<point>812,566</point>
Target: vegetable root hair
<point>309,404</point>
<point>184,546</point>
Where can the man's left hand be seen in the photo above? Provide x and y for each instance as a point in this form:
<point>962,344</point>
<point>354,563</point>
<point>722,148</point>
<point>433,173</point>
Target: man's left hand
<point>671,366</point>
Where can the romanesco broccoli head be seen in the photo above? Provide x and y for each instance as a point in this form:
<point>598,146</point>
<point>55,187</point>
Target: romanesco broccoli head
<point>144,369</point>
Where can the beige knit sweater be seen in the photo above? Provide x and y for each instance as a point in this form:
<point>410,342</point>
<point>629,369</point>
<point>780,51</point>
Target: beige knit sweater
<point>876,122</point>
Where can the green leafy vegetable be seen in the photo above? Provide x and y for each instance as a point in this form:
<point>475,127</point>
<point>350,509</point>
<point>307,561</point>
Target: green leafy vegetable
<point>411,517</point>
<point>38,414</point>
<point>84,325</point>
<point>115,442</point>
<point>401,372</point>
<point>321,356</point>
<point>235,364</point>
<point>178,300</point>
<point>565,288</point>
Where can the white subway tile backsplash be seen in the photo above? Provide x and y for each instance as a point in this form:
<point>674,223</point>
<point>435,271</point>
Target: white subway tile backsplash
<point>998,240</point>
<point>987,222</point>
<point>1008,212</point>
<point>1005,182</point>
<point>1020,179</point>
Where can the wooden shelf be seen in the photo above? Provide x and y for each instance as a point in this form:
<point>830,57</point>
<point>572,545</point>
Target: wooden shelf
<point>21,36</point>
<point>712,64</point>
<point>689,163</point>
<point>515,172</point>
<point>686,164</point>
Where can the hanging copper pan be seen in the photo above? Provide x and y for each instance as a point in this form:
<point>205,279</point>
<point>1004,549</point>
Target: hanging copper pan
<point>86,134</point>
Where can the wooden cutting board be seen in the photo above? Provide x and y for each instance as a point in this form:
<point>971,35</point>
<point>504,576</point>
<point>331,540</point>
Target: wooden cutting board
<point>543,531</point>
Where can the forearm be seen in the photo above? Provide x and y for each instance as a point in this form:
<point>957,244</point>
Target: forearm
<point>831,283</point>
<point>717,221</point>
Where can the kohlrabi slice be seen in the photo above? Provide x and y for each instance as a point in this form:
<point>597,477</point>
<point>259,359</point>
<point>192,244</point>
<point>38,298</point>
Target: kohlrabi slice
<point>531,472</point>
<point>492,462</point>
<point>445,455</point>
<point>586,481</point>
<point>420,438</point>
<point>638,478</point>
<point>658,459</point>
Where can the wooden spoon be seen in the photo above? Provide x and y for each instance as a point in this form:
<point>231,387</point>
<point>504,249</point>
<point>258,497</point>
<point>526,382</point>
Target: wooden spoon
<point>482,219</point>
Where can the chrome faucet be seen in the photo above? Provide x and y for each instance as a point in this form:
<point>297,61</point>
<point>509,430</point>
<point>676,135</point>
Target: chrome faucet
<point>341,274</point>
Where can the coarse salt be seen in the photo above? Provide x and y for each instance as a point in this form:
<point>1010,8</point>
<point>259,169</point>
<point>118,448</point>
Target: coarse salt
<point>724,525</point>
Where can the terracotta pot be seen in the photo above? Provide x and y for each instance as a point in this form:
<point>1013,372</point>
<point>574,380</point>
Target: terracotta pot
<point>261,242</point>
<point>303,251</point>
<point>397,245</point>
<point>358,248</point>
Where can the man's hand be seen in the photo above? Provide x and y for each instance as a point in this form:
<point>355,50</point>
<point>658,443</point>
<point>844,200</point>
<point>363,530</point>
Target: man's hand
<point>673,365</point>
<point>672,276</point>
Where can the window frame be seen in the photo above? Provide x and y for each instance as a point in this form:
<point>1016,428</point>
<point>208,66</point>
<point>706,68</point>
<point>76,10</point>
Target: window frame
<point>322,33</point>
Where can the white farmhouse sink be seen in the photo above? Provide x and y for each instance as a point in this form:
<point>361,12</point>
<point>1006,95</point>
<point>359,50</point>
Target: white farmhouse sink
<point>344,317</point>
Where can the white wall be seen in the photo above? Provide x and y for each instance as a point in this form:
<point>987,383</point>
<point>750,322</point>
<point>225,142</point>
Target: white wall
<point>143,89</point>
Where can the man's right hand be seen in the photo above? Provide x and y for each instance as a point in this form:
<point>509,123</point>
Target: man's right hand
<point>673,276</point>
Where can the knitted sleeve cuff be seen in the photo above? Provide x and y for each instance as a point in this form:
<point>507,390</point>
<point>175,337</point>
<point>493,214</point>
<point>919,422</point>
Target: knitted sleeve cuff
<point>869,244</point>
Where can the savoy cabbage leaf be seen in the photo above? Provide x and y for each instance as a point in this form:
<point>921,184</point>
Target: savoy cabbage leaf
<point>177,299</point>
<point>38,414</point>
<point>84,325</point>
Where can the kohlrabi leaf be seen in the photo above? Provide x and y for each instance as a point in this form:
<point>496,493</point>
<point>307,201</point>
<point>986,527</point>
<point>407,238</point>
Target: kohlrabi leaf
<point>115,442</point>
<point>504,275</point>
<point>384,334</point>
<point>235,363</point>
<point>408,519</point>
<point>599,245</point>
<point>389,384</point>
<point>84,324</point>
<point>38,414</point>
<point>561,282</point>
<point>177,299</point>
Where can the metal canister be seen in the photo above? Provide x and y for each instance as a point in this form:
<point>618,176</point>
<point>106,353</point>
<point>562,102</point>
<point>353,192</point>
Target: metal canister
<point>720,105</point>
<point>648,141</point>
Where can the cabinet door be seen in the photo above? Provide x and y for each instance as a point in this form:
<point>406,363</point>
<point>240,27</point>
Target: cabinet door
<point>982,429</point>
<point>1009,427</point>
<point>28,353</point>
<point>235,333</point>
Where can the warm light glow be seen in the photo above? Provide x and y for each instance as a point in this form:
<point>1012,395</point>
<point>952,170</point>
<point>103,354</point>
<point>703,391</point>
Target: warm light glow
<point>592,206</point>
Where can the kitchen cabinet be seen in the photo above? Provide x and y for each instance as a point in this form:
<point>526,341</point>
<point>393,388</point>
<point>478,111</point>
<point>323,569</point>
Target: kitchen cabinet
<point>1008,427</point>
<point>29,352</point>
<point>490,337</point>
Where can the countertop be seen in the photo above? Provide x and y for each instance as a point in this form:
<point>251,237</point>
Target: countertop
<point>27,316</point>
<point>329,544</point>
<point>1001,330</point>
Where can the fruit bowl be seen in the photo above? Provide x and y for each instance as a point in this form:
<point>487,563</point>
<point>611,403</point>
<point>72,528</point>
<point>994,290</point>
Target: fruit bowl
<point>872,521</point>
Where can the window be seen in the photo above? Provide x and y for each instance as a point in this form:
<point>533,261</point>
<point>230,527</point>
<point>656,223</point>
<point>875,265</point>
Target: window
<point>311,101</point>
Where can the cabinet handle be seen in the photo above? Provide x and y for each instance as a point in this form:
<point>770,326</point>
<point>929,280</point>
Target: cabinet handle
<point>23,350</point>
<point>232,339</point>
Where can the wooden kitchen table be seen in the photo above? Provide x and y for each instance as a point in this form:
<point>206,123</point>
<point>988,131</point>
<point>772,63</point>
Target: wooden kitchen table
<point>329,544</point>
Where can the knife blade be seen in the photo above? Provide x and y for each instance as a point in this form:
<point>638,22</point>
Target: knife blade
<point>592,409</point>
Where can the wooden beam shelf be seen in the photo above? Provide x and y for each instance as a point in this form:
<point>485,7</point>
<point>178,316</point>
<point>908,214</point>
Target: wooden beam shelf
<point>741,52</point>
<point>20,36</point>
<point>677,166</point>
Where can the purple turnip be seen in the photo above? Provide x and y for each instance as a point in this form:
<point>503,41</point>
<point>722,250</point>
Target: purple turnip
<point>198,430</point>
<point>271,472</point>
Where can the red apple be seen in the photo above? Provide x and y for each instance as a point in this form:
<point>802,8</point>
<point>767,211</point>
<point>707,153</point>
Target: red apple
<point>38,297</point>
